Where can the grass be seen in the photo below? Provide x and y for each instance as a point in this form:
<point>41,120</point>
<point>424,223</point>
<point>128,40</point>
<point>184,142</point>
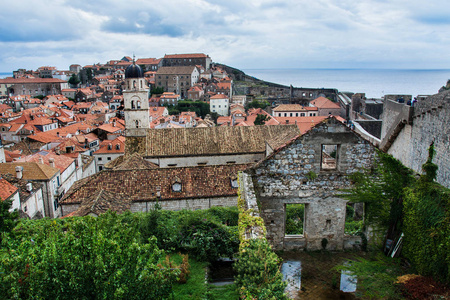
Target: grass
<point>226,292</point>
<point>197,288</point>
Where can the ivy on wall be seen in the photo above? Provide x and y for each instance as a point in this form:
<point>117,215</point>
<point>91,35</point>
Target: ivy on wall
<point>257,267</point>
<point>427,224</point>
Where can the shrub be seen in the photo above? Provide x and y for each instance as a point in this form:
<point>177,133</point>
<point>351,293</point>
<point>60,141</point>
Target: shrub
<point>258,272</point>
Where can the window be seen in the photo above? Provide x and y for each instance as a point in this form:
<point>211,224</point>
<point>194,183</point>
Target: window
<point>100,168</point>
<point>234,181</point>
<point>109,147</point>
<point>294,219</point>
<point>329,157</point>
<point>109,158</point>
<point>176,185</point>
<point>117,147</point>
<point>99,159</point>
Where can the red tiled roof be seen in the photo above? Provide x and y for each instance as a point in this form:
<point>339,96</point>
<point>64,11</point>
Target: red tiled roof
<point>303,123</point>
<point>324,103</point>
<point>189,55</point>
<point>108,146</point>
<point>61,162</point>
<point>23,80</point>
<point>31,170</point>
<point>6,189</point>
<point>196,182</point>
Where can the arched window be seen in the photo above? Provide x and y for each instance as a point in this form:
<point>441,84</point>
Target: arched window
<point>138,104</point>
<point>137,123</point>
<point>134,84</point>
<point>132,104</point>
<point>141,84</point>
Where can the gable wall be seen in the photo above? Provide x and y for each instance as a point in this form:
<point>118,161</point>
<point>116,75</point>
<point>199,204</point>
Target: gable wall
<point>283,179</point>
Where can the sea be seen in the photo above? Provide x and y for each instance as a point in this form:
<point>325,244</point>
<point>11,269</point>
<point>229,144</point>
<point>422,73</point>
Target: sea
<point>375,83</point>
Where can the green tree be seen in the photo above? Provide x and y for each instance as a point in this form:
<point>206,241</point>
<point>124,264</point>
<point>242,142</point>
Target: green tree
<point>83,258</point>
<point>257,104</point>
<point>8,220</point>
<point>156,91</point>
<point>74,80</point>
<point>261,119</point>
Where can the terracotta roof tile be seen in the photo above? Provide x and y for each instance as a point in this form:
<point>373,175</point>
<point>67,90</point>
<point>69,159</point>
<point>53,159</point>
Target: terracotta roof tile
<point>324,103</point>
<point>127,185</point>
<point>31,170</point>
<point>6,189</point>
<point>212,140</point>
<point>189,55</point>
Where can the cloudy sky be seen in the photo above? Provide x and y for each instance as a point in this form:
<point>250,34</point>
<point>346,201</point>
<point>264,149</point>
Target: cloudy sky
<point>242,33</point>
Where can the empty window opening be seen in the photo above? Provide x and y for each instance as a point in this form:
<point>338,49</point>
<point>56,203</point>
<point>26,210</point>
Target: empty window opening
<point>354,218</point>
<point>329,157</point>
<point>294,219</point>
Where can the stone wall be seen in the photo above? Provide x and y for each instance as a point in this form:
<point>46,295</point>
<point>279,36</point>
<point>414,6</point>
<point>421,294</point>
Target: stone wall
<point>190,204</point>
<point>372,126</point>
<point>287,176</point>
<point>204,160</point>
<point>430,123</point>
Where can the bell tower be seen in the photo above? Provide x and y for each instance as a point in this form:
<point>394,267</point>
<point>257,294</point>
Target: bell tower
<point>135,98</point>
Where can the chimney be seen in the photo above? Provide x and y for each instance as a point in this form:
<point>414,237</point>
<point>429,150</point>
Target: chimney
<point>114,123</point>
<point>52,162</point>
<point>29,186</point>
<point>19,170</point>
<point>57,134</point>
<point>41,160</point>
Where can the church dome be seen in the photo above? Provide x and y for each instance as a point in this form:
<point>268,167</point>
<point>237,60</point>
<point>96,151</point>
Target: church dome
<point>134,71</point>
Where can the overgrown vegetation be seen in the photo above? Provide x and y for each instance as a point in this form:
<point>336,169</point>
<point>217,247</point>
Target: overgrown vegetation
<point>376,276</point>
<point>257,266</point>
<point>427,224</point>
<point>396,202</point>
<point>82,258</point>
<point>257,104</point>
<point>113,256</point>
<point>199,107</point>
<point>294,219</point>
<point>258,274</point>
<point>382,191</point>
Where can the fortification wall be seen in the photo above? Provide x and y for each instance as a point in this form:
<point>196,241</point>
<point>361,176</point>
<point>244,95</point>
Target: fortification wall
<point>431,123</point>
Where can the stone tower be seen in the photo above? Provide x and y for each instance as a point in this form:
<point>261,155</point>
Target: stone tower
<point>135,98</point>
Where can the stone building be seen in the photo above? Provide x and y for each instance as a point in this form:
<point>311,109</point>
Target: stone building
<point>32,86</point>
<point>177,79</point>
<point>190,59</point>
<point>185,147</point>
<point>137,185</point>
<point>305,171</point>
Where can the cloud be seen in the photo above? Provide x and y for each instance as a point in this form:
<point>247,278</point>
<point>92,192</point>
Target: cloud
<point>246,34</point>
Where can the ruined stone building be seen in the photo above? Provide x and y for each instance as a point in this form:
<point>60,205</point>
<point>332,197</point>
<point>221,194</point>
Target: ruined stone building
<point>311,170</point>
